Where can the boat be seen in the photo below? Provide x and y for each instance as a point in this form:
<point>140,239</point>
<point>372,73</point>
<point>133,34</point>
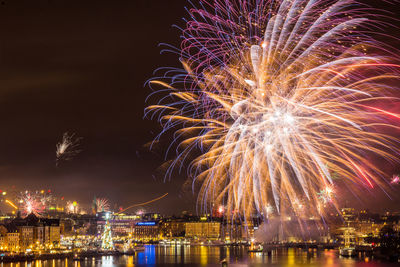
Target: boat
<point>347,252</point>
<point>129,252</point>
<point>224,262</point>
<point>77,257</point>
<point>255,249</point>
<point>139,248</point>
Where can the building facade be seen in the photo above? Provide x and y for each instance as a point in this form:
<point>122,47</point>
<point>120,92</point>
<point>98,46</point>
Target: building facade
<point>203,230</point>
<point>147,231</point>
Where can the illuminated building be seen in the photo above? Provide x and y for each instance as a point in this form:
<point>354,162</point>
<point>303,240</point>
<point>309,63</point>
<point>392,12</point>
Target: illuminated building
<point>248,230</point>
<point>66,226</point>
<point>3,242</point>
<point>151,216</point>
<point>368,228</point>
<point>231,232</point>
<point>348,216</point>
<point>32,233</point>
<point>10,236</point>
<point>26,236</point>
<point>121,224</point>
<point>147,231</point>
<point>203,230</point>
<point>52,231</point>
<point>171,228</point>
<point>13,241</point>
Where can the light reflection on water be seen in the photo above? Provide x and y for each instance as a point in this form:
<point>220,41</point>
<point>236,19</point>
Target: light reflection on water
<point>211,256</point>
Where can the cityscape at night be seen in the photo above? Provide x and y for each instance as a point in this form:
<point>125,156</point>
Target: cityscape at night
<point>199,133</point>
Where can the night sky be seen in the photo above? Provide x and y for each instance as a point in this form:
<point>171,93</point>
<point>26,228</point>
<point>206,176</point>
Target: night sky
<point>81,66</point>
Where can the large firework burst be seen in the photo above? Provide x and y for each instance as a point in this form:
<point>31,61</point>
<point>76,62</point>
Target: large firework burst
<point>278,96</point>
<point>33,202</point>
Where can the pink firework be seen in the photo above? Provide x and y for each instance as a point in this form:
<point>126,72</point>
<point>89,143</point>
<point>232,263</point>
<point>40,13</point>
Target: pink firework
<point>395,179</point>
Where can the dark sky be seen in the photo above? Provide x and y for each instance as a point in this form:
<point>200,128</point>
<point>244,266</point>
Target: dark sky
<point>80,66</point>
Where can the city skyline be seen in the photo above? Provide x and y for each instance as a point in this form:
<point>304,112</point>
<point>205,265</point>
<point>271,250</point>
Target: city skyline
<point>199,132</point>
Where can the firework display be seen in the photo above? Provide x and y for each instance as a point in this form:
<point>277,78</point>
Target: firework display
<point>72,207</point>
<point>102,204</point>
<point>33,202</point>
<point>67,148</point>
<point>277,97</point>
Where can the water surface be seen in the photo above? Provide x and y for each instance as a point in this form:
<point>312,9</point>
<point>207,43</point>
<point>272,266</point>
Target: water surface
<point>158,256</point>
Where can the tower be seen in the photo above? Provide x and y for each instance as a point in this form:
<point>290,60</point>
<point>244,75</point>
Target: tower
<point>94,205</point>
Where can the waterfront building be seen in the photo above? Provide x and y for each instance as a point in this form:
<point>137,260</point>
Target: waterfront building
<point>146,231</point>
<point>31,232</point>
<point>151,216</point>
<point>26,236</point>
<point>204,230</point>
<point>12,239</point>
<point>3,242</point>
<point>121,224</point>
<point>52,231</point>
<point>231,231</point>
<point>84,224</point>
<point>248,229</point>
<point>349,216</point>
<point>172,228</point>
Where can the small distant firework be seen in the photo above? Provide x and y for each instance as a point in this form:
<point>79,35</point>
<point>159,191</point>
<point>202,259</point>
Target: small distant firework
<point>72,207</point>
<point>269,210</point>
<point>140,212</point>
<point>298,207</point>
<point>33,202</point>
<point>221,209</point>
<point>102,204</point>
<point>67,148</point>
<point>326,195</point>
<point>395,179</point>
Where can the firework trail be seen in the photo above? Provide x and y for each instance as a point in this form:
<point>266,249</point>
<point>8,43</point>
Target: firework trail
<point>276,97</point>
<point>67,148</point>
<point>144,203</point>
<point>102,204</point>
